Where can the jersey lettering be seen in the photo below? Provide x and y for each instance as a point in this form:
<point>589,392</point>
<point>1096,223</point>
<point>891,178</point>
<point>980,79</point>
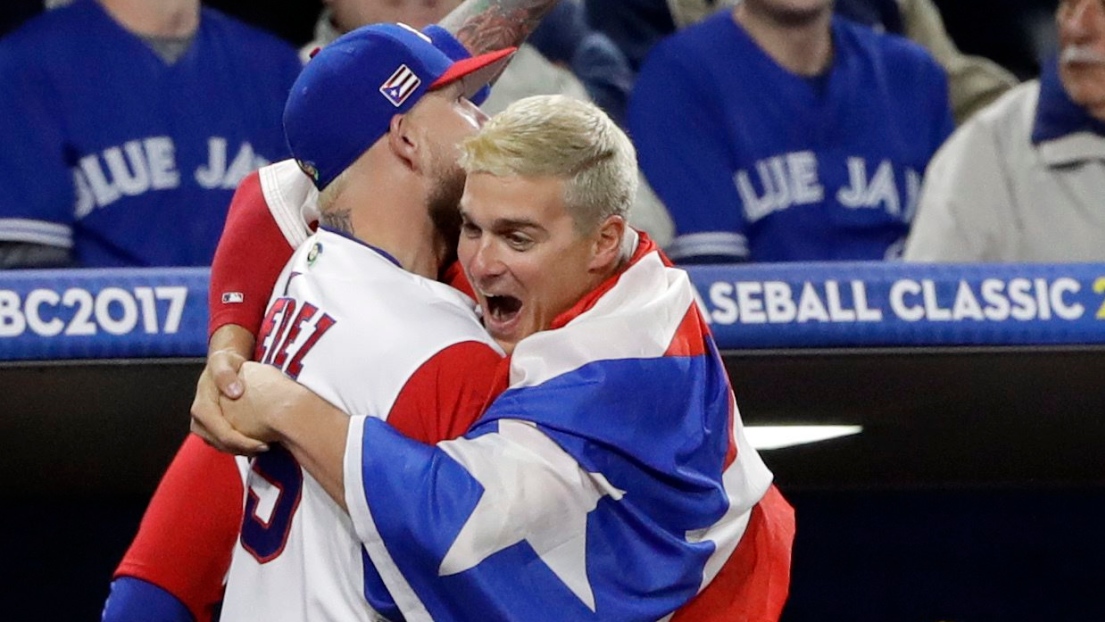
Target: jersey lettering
<point>786,180</point>
<point>288,336</point>
<point>783,181</point>
<point>880,191</point>
<point>216,173</point>
<point>267,331</point>
<point>321,326</point>
<point>140,166</point>
<point>305,314</point>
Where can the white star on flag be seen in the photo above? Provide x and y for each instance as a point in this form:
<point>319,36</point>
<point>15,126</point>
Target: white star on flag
<point>534,491</point>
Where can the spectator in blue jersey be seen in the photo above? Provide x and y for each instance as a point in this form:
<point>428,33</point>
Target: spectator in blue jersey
<point>780,132</point>
<point>1024,179</point>
<point>636,25</point>
<point>128,125</point>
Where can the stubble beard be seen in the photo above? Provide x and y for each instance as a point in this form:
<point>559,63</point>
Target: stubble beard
<point>443,205</point>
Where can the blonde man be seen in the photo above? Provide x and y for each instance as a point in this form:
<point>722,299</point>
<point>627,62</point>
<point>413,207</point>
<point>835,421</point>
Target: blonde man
<point>611,479</point>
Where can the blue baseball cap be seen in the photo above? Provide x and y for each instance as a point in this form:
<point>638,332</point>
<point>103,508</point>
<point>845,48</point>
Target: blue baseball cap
<point>345,97</point>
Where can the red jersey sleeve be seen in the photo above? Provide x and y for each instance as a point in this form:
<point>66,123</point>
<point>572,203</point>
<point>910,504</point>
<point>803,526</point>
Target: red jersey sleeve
<point>186,538</point>
<point>251,253</point>
<point>446,395</point>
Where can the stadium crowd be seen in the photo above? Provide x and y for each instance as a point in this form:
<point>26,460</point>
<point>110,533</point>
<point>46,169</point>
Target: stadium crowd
<point>827,158</point>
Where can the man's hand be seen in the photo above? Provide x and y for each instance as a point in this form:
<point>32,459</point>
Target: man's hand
<point>230,345</point>
<point>269,396</point>
<point>275,408</point>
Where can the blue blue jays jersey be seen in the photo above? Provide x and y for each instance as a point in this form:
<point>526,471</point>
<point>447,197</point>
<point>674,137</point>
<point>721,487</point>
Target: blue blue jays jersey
<point>757,163</point>
<point>128,160</point>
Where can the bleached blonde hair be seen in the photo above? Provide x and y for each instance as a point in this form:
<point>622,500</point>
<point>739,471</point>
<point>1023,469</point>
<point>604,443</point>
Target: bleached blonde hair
<point>561,137</point>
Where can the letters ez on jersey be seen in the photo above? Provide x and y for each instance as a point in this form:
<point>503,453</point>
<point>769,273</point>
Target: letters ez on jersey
<point>288,333</point>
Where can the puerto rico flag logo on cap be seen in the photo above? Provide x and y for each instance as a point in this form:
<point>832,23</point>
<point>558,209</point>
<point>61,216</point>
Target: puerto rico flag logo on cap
<point>400,85</point>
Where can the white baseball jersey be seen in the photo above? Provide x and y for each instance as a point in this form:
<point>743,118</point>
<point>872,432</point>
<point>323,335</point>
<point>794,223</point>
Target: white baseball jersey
<point>348,322</point>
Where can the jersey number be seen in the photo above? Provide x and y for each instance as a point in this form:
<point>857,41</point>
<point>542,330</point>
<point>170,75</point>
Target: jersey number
<point>275,488</point>
<point>276,480</point>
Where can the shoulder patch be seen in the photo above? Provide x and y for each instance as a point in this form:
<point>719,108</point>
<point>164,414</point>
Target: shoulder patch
<point>313,254</point>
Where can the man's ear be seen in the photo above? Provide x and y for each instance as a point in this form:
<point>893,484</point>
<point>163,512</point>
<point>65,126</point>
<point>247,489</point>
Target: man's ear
<point>608,244</point>
<point>403,142</point>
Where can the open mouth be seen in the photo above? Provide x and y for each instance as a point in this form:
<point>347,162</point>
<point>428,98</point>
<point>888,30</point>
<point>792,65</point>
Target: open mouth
<point>502,309</point>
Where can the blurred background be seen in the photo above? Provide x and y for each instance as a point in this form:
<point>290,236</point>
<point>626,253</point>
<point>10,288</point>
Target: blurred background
<point>1014,33</point>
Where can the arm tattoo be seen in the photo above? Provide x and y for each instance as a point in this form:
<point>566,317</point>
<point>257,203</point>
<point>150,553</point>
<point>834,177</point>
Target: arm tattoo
<point>339,220</point>
<point>489,25</point>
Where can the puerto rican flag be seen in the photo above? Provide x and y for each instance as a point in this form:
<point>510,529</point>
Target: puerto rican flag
<point>400,85</point>
<point>611,481</point>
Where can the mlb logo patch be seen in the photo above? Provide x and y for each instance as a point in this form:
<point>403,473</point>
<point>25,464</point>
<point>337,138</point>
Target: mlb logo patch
<point>233,297</point>
<point>400,85</point>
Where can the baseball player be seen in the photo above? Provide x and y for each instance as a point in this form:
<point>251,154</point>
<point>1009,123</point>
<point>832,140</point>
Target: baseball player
<point>179,558</point>
<point>821,161</point>
<point>130,125</point>
<point>356,314</point>
<point>611,480</point>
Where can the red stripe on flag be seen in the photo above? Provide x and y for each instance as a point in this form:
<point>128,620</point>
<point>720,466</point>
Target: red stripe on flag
<point>754,583</point>
<point>690,337</point>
